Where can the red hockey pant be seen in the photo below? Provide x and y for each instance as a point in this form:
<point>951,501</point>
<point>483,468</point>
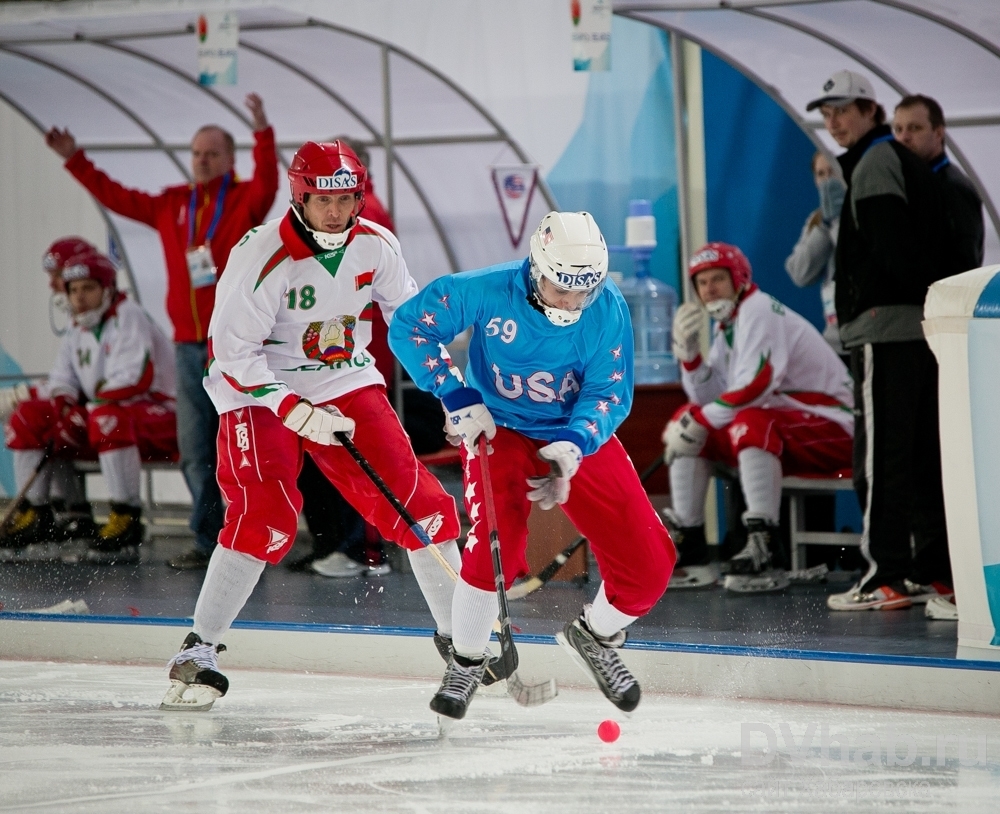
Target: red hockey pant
<point>147,423</point>
<point>607,504</point>
<point>259,463</point>
<point>806,444</point>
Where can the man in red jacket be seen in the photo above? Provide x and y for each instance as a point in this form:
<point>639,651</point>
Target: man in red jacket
<point>199,223</point>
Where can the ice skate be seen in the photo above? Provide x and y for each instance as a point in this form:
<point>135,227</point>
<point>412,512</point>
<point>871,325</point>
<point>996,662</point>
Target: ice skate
<point>461,679</point>
<point>31,529</point>
<point>751,570</point>
<point>117,542</point>
<point>494,664</point>
<point>77,523</point>
<point>599,659</point>
<point>195,680</point>
<point>693,568</point>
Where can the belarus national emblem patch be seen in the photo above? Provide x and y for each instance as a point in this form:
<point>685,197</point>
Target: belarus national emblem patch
<point>331,341</point>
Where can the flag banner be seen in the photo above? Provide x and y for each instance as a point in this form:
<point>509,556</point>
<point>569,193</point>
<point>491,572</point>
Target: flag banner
<point>591,34</point>
<point>515,185</point>
<point>218,40</point>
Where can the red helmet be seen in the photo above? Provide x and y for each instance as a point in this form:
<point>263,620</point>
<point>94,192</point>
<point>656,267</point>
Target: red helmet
<point>326,169</point>
<point>722,255</point>
<point>59,252</point>
<point>90,265</point>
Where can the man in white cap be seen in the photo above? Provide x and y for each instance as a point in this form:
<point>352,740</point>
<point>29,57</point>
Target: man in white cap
<point>890,249</point>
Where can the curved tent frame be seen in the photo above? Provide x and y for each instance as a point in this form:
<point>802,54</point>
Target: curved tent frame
<point>102,77</point>
<point>789,47</point>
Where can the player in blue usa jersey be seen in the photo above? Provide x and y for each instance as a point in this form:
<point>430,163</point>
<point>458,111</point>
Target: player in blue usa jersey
<point>549,379</point>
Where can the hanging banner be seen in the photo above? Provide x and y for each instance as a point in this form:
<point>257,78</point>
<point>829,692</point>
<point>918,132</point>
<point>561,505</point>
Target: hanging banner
<point>591,34</point>
<point>515,185</point>
<point>218,39</point>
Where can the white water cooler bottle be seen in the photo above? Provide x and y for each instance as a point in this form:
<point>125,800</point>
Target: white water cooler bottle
<point>651,302</point>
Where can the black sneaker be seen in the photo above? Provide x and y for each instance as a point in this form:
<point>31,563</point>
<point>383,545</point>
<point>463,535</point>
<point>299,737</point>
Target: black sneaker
<point>195,680</point>
<point>600,661</point>
<point>461,679</point>
<point>193,560</point>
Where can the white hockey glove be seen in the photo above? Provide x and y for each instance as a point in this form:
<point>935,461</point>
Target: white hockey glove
<point>689,321</point>
<point>565,458</point>
<point>318,424</point>
<point>10,397</point>
<point>684,437</point>
<point>468,417</point>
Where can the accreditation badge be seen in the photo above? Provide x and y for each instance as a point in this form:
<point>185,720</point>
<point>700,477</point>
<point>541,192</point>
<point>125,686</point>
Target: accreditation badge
<point>201,266</point>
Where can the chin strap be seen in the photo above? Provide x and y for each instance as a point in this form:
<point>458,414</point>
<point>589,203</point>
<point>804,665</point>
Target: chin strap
<point>325,240</point>
<point>92,318</point>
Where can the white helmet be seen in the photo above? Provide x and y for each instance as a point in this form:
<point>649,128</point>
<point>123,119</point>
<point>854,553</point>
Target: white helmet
<point>568,250</point>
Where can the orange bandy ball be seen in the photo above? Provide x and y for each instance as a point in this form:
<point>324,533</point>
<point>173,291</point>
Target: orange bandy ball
<point>608,731</point>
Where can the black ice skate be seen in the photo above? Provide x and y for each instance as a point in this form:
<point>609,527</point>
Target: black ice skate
<point>752,569</point>
<point>118,540</point>
<point>494,664</point>
<point>693,568</point>
<point>461,679</point>
<point>195,680</point>
<point>77,523</point>
<point>599,659</point>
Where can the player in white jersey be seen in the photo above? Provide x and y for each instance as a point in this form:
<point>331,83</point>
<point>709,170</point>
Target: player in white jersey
<point>773,399</point>
<point>289,368</point>
<point>110,396</point>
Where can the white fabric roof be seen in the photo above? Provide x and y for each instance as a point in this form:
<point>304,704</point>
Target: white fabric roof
<point>126,87</point>
<point>946,49</point>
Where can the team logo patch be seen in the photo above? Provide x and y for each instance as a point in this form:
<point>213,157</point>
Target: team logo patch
<point>581,278</point>
<point>331,341</point>
<point>828,85</point>
<point>432,525</point>
<point>737,431</point>
<point>547,236</point>
<point>278,539</point>
<point>706,256</point>
<point>341,179</point>
<point>106,423</point>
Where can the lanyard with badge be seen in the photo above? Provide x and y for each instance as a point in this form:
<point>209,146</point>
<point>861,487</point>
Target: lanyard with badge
<point>201,266</point>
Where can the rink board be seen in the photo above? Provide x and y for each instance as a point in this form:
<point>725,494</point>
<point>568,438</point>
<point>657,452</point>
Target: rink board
<point>708,671</point>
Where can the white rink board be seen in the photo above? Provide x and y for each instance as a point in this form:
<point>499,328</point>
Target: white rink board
<point>698,672</point>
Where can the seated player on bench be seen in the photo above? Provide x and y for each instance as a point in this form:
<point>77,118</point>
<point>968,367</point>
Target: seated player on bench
<point>110,397</point>
<point>772,399</point>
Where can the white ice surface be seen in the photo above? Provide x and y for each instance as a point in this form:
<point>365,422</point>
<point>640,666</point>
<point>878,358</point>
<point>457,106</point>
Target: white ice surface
<point>89,738</point>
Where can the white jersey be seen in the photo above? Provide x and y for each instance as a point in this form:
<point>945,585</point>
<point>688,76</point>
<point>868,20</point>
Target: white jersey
<point>291,322</point>
<point>769,356</point>
<point>125,356</point>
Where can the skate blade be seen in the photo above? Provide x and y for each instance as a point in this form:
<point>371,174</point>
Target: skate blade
<point>768,582</point>
<point>445,725</point>
<point>815,574</point>
<point>183,697</point>
<point>694,576</point>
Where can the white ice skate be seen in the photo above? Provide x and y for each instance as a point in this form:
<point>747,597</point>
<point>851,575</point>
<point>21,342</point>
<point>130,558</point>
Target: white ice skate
<point>195,681</point>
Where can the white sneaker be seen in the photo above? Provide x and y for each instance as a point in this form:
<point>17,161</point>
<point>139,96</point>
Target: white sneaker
<point>338,565</point>
<point>922,594</point>
<point>942,608</point>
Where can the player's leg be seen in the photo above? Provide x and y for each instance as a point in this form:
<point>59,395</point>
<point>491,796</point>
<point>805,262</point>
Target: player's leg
<point>689,480</point>
<point>609,506</point>
<point>27,434</point>
<point>475,607</point>
<point>259,462</point>
<point>380,438</point>
<point>112,433</point>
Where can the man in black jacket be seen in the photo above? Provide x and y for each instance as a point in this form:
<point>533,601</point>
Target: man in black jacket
<point>890,249</point>
<point>918,123</point>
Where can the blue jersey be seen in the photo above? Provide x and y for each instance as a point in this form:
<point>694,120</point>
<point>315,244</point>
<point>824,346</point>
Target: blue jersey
<point>548,382</point>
